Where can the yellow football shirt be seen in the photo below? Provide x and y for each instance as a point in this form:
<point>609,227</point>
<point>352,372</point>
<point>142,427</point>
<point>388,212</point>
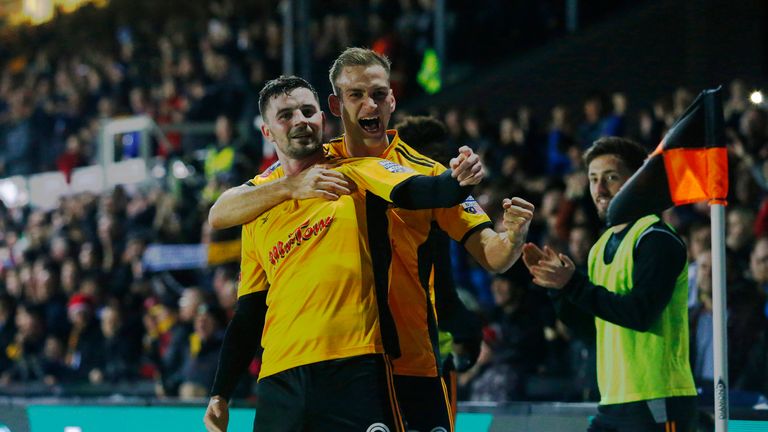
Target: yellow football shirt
<point>411,294</point>
<point>314,258</point>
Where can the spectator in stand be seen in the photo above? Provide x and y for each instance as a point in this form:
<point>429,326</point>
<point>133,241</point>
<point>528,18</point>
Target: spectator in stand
<point>582,350</point>
<point>72,157</point>
<point>559,141</point>
<point>69,277</point>
<point>19,148</point>
<point>616,122</point>
<point>699,241</point>
<point>223,158</point>
<point>650,129</point>
<point>129,268</point>
<point>510,143</point>
<point>191,300</point>
<point>7,330</point>
<point>89,259</point>
<point>514,345</point>
<point>84,350</point>
<point>225,288</point>
<point>26,350</point>
<point>592,127</point>
<point>53,363</point>
<point>758,266</point>
<point>121,350</point>
<point>736,104</point>
<point>202,356</point>
<point>44,293</point>
<point>739,236</point>
<point>700,321</point>
<point>474,136</point>
<point>755,374</point>
<point>165,343</point>
<point>744,317</point>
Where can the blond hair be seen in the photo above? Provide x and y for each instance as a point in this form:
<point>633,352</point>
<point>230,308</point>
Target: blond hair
<point>356,57</point>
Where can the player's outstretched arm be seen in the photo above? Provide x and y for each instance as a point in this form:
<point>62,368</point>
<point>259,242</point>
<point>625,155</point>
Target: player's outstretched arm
<point>425,192</point>
<point>242,204</point>
<point>497,252</point>
<point>241,340</point>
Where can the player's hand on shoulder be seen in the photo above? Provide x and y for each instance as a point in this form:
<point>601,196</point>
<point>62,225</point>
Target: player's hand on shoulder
<point>320,182</point>
<point>467,167</point>
<point>216,417</point>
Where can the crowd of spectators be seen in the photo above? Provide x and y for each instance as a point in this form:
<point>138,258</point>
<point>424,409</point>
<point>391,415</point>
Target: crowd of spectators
<point>77,305</point>
<point>526,348</point>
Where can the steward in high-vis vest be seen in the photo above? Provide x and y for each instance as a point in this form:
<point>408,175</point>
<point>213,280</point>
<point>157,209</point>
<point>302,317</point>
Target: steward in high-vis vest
<point>635,297</point>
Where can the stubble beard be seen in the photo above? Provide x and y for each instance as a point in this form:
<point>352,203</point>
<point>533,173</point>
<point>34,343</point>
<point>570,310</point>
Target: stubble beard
<point>298,151</point>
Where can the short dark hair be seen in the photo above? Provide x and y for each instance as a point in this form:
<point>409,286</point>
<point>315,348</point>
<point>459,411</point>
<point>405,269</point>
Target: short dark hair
<point>283,85</point>
<point>631,153</point>
<point>428,136</point>
<point>356,57</point>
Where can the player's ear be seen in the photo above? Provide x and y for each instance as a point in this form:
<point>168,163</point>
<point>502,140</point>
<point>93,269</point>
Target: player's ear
<point>393,102</point>
<point>334,104</point>
<point>266,132</point>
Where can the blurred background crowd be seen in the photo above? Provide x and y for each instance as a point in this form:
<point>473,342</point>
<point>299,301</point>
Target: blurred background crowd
<point>80,312</point>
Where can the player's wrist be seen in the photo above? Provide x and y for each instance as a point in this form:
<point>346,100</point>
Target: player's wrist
<point>515,238</point>
<point>288,189</point>
<point>217,399</point>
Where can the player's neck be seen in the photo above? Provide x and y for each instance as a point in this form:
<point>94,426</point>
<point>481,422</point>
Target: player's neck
<point>292,166</point>
<point>361,148</point>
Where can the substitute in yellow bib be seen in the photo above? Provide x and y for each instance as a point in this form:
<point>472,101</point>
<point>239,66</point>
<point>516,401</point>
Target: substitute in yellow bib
<point>636,292</point>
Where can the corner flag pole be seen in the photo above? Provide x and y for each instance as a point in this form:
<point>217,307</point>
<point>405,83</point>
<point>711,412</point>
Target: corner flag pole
<point>719,317</point>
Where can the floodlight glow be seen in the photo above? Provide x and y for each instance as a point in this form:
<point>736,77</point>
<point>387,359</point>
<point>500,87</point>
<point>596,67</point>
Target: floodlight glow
<point>180,170</point>
<point>9,193</point>
<point>158,171</point>
<point>756,97</point>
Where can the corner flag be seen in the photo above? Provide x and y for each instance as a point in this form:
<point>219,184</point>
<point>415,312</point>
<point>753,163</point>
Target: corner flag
<point>689,165</point>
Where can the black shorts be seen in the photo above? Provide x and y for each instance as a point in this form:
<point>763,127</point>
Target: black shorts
<point>424,403</point>
<point>675,414</point>
<point>354,394</point>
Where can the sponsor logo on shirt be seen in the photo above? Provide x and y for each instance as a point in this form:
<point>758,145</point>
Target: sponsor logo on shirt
<point>471,206</point>
<point>267,172</point>
<point>394,167</point>
<point>301,234</point>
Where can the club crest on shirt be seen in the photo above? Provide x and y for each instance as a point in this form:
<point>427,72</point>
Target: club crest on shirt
<point>304,232</point>
<point>471,206</point>
<point>394,167</point>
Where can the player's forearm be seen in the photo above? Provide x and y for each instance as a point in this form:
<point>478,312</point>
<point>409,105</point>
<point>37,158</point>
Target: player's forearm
<point>496,252</point>
<point>242,204</point>
<point>425,192</point>
<point>241,341</point>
